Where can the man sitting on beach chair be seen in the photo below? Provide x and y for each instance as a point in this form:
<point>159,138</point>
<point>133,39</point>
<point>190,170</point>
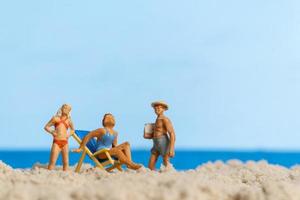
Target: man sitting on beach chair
<point>106,144</point>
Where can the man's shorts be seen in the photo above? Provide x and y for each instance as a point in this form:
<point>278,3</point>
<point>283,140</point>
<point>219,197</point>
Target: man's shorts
<point>161,145</point>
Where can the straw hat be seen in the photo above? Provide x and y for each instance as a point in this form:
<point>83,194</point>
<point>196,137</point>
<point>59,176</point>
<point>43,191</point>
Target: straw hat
<point>162,103</point>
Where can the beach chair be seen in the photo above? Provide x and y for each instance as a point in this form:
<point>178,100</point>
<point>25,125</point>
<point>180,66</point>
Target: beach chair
<point>90,149</point>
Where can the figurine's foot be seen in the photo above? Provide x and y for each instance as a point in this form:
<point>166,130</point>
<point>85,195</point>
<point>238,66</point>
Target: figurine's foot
<point>134,166</point>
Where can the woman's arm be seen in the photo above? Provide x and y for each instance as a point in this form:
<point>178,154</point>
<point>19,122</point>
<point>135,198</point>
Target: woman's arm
<point>71,127</point>
<point>49,125</point>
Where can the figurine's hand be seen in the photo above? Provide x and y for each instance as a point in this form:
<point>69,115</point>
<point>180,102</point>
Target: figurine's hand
<point>172,153</point>
<point>54,133</point>
<point>77,150</point>
<point>71,133</point>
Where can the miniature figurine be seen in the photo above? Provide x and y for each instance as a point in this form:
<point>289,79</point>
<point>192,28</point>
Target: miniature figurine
<point>61,122</point>
<point>107,137</point>
<point>163,135</point>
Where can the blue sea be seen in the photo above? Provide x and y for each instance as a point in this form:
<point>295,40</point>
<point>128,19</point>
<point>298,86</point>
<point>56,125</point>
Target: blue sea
<point>184,159</point>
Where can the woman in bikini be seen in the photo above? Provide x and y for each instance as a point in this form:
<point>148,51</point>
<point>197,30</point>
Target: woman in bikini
<point>107,137</point>
<point>61,122</point>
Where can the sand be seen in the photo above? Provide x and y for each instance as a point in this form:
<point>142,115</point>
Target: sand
<point>233,180</point>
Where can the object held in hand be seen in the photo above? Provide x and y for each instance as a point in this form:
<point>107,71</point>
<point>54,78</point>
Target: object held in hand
<point>149,130</point>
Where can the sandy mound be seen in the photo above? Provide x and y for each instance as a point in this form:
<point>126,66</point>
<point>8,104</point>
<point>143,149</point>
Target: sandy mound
<point>233,180</point>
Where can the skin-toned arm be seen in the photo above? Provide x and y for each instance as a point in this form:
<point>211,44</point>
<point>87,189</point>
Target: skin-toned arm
<point>171,132</point>
<point>96,133</point>
<point>49,125</point>
<point>71,127</point>
<point>115,142</point>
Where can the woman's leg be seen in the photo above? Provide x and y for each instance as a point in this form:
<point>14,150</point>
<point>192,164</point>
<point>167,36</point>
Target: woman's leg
<point>65,157</point>
<point>53,156</point>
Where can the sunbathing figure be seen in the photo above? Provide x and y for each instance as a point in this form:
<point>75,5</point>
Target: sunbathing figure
<point>61,122</point>
<point>107,137</point>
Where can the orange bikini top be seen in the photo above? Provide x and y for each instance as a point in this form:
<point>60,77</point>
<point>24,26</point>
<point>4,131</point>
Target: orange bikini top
<point>62,122</point>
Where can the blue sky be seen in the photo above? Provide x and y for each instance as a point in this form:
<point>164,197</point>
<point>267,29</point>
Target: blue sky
<point>229,69</point>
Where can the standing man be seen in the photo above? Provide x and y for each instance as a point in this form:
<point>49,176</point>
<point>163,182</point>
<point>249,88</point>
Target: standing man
<point>163,136</point>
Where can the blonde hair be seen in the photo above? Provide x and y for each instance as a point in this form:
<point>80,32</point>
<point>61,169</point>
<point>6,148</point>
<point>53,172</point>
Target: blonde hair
<point>59,112</point>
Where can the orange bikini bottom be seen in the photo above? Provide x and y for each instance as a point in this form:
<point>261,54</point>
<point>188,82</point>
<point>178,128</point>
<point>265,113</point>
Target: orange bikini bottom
<point>60,143</point>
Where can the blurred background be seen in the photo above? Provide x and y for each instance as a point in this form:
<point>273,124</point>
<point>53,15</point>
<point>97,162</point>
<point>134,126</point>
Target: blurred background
<point>228,69</point>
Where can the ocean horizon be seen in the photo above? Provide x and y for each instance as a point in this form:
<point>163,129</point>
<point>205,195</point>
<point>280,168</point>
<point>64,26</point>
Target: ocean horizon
<point>184,159</point>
